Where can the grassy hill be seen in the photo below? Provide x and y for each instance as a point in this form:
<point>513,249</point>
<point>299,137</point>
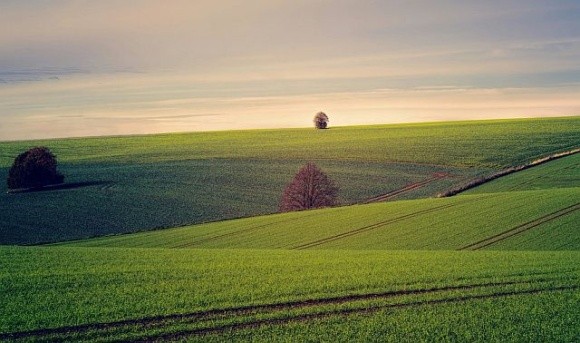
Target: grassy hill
<point>492,216</point>
<point>127,184</point>
<point>447,224</point>
<point>359,272</point>
<point>112,294</point>
<point>560,173</point>
<point>487,143</point>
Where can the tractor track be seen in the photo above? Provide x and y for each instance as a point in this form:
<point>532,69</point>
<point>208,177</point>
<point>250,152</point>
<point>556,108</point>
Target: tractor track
<point>343,312</point>
<point>234,233</point>
<point>436,176</point>
<point>407,188</point>
<point>370,227</point>
<point>46,334</point>
<point>531,180</point>
<point>522,228</point>
<point>379,224</point>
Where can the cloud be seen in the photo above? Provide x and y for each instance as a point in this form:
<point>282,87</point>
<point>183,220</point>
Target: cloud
<point>196,35</point>
<point>179,112</point>
<point>107,66</point>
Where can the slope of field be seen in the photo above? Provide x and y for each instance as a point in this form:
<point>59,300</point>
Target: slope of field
<point>64,294</point>
<point>555,318</point>
<point>563,172</point>
<point>129,198</point>
<point>487,144</point>
<point>563,233</point>
<point>127,184</point>
<point>461,222</point>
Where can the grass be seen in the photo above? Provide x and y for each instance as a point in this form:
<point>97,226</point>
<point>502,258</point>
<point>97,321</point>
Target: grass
<point>433,224</point>
<point>139,183</point>
<point>188,293</point>
<point>485,144</point>
<point>130,198</point>
<point>541,317</point>
<point>559,234</point>
<point>559,173</point>
<point>360,272</point>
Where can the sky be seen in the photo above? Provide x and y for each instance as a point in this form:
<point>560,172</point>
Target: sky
<point>87,68</point>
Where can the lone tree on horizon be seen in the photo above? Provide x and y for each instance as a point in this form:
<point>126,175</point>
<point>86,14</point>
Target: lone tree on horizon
<point>310,188</point>
<point>34,168</point>
<point>321,120</point>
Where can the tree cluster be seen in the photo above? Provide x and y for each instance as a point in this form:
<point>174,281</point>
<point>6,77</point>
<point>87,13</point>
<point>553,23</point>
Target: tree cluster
<point>34,168</point>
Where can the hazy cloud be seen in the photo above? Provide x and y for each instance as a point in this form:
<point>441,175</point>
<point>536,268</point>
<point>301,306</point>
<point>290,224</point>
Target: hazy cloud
<point>77,66</point>
<point>193,34</point>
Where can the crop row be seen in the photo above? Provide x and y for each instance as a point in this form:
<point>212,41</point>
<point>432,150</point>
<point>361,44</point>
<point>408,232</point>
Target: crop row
<point>137,183</point>
<point>491,143</point>
<point>185,325</point>
<point>560,173</point>
<point>446,223</point>
<point>45,288</point>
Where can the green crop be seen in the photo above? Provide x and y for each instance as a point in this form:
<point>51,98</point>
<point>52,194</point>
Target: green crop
<point>560,173</point>
<point>486,144</point>
<point>111,294</point>
<point>538,317</point>
<point>445,223</point>
<point>373,272</point>
<point>136,183</point>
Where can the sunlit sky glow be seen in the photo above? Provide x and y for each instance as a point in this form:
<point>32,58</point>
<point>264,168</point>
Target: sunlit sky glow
<point>84,68</point>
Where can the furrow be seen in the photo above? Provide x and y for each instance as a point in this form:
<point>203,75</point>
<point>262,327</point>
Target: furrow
<point>399,191</point>
<point>437,176</point>
<point>375,226</point>
<point>521,228</point>
<point>234,233</point>
<point>342,312</point>
<point>245,310</point>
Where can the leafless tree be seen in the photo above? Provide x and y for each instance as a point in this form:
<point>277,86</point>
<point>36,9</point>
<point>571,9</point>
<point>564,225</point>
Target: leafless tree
<point>310,188</point>
<point>321,120</point>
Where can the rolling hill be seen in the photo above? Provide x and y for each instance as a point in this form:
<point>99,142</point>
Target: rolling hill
<point>447,224</point>
<point>128,184</point>
<point>538,219</point>
<point>379,271</point>
<point>561,173</point>
<point>120,294</point>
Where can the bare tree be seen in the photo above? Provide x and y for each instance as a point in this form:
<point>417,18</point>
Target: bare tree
<point>310,188</point>
<point>321,120</point>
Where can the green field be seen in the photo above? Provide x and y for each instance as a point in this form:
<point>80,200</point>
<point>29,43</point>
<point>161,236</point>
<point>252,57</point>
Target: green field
<point>498,263</point>
<point>137,183</point>
<point>442,224</point>
<point>68,294</point>
<point>140,197</point>
<point>508,213</point>
<point>489,143</point>
<point>560,173</point>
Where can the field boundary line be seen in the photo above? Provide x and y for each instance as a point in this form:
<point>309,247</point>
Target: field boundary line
<point>481,180</point>
<point>234,311</point>
<point>531,180</point>
<point>521,228</point>
<point>407,188</point>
